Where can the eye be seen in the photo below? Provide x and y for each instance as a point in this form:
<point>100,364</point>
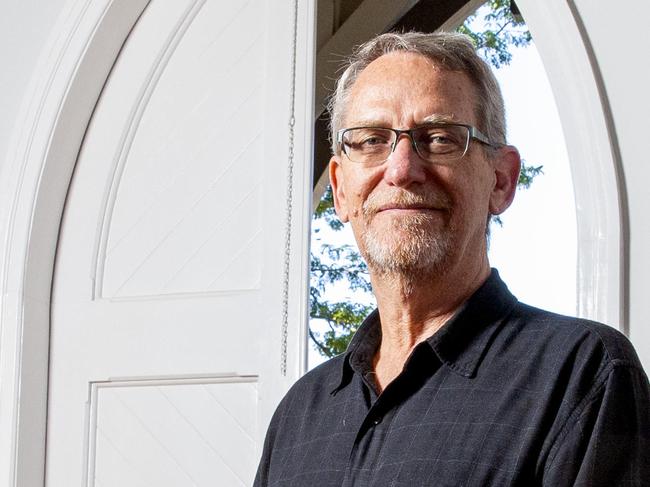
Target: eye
<point>368,139</point>
<point>441,139</point>
<point>373,140</point>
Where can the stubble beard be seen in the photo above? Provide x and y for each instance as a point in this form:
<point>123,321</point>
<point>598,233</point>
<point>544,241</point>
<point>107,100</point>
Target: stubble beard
<point>412,247</point>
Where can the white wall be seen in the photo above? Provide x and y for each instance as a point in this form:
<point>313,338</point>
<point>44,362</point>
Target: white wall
<point>25,26</point>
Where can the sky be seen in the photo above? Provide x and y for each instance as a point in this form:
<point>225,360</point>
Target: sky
<point>535,250</point>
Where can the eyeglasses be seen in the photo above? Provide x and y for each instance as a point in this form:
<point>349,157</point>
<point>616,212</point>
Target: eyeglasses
<point>439,143</point>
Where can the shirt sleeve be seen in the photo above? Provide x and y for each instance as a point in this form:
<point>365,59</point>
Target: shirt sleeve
<point>606,441</point>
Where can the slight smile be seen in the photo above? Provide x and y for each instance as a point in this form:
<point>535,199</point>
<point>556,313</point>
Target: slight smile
<point>408,209</point>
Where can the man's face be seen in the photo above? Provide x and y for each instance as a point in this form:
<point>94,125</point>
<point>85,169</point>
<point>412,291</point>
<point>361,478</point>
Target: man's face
<point>407,214</point>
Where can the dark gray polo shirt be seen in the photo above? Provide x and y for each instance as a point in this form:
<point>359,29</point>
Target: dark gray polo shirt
<point>502,395</point>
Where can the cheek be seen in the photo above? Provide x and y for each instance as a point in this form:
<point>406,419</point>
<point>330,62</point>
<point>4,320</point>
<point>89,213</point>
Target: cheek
<point>480,204</point>
<point>471,200</point>
<point>360,187</point>
<point>356,203</point>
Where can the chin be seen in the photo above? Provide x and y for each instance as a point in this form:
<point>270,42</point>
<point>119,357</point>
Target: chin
<point>407,250</point>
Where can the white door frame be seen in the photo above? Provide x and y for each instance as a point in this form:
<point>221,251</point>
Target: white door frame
<point>58,105</point>
<point>49,132</point>
<point>592,144</point>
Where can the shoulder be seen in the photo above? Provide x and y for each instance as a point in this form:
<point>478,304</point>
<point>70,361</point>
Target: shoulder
<point>576,371</point>
<point>563,360</point>
<point>323,378</point>
<point>576,338</point>
<point>595,396</point>
<point>306,398</point>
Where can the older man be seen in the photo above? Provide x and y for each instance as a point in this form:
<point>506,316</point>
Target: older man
<point>451,381</point>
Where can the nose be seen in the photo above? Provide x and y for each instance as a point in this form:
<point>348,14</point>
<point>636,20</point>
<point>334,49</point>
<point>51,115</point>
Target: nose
<point>404,166</point>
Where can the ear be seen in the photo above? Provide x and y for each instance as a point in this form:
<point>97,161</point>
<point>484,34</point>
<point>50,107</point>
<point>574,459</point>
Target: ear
<point>506,165</point>
<point>338,188</point>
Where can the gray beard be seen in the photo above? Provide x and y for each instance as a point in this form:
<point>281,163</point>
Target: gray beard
<point>418,252</point>
<point>410,249</point>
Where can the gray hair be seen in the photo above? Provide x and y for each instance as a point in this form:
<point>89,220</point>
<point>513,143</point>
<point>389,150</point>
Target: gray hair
<point>451,51</point>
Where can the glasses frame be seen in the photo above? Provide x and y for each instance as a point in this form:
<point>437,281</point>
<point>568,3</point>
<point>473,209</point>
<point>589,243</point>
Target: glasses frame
<point>474,134</point>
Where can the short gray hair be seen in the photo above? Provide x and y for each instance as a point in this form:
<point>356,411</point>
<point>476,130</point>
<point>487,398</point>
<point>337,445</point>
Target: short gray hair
<point>450,51</point>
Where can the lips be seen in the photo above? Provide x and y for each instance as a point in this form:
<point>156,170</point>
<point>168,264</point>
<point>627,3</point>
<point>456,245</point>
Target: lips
<point>392,206</point>
<point>405,201</point>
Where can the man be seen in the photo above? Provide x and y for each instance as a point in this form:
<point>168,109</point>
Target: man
<point>451,382</point>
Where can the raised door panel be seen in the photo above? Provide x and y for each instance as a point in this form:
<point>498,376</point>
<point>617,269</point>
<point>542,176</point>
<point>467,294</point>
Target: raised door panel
<point>144,428</point>
<point>183,212</point>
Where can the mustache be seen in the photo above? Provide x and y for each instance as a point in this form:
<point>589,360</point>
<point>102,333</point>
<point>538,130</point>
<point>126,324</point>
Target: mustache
<point>402,198</point>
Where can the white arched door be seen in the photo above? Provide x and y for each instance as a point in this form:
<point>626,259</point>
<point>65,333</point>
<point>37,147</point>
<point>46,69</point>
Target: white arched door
<point>173,299</point>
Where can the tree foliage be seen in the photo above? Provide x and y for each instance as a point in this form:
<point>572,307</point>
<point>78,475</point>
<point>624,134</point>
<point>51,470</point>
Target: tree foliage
<point>333,265</point>
<point>494,30</point>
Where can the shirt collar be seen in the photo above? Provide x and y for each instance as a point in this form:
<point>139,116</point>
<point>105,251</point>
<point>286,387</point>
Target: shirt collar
<point>460,344</point>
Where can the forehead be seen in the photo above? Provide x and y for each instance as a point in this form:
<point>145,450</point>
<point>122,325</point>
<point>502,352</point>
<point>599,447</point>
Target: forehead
<point>405,89</point>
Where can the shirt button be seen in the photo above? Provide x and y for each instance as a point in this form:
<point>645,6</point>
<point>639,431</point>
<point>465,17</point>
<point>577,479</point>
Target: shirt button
<point>377,420</point>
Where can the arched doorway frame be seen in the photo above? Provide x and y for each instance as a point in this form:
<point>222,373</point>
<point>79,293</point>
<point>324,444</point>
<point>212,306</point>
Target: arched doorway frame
<point>597,172</point>
<point>59,102</point>
<point>51,128</point>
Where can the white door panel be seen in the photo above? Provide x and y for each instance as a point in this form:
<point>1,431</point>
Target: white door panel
<point>144,429</point>
<point>163,290</point>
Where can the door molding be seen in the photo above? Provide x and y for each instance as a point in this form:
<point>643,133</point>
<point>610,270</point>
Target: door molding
<point>59,102</point>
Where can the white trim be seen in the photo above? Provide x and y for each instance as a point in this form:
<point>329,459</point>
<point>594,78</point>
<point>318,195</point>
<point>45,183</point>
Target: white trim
<point>65,86</point>
<point>602,217</point>
<point>303,173</point>
<point>275,175</point>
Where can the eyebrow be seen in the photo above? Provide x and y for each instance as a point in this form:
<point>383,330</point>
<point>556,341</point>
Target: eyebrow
<point>368,122</point>
<point>439,118</point>
<point>433,118</point>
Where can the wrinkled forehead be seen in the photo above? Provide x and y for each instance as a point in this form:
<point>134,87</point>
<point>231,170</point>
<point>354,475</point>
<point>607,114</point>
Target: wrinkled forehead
<point>409,88</point>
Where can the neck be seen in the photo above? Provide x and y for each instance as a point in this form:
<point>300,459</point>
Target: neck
<point>413,307</point>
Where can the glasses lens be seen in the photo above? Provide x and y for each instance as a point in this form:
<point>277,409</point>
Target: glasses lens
<point>441,142</point>
<point>368,145</point>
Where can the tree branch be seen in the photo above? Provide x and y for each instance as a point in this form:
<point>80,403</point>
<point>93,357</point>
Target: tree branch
<point>496,34</point>
<point>324,350</point>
